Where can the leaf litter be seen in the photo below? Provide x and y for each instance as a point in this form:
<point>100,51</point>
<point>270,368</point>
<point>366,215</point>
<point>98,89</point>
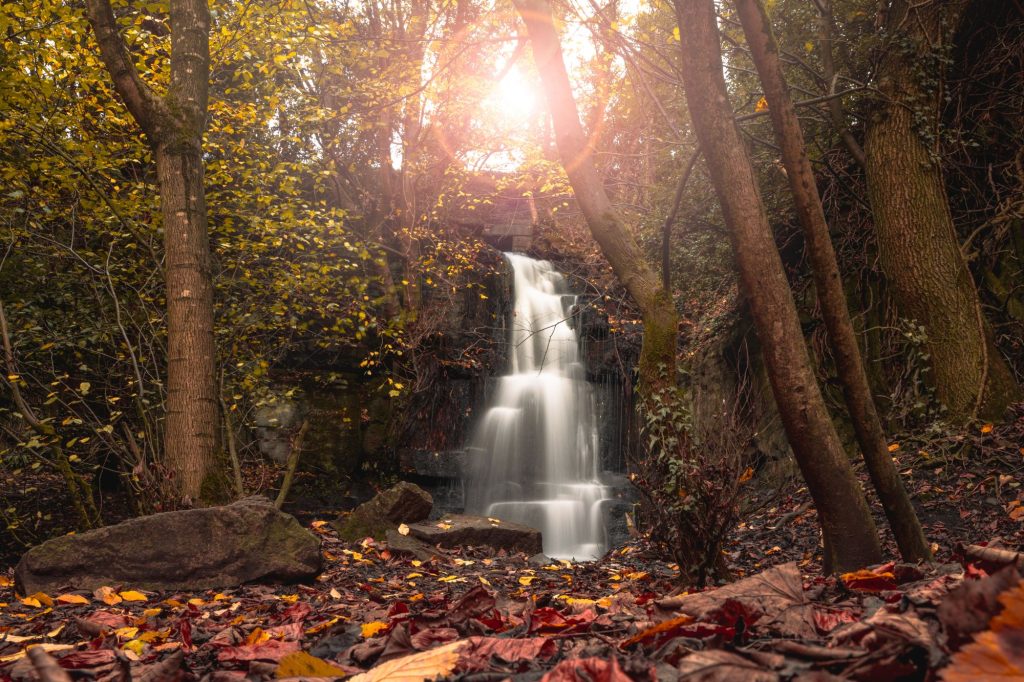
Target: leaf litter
<point>374,615</point>
<point>470,614</point>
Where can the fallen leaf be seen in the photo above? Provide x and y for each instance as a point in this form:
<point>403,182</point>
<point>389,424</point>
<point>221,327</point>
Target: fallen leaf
<point>72,599</point>
<point>132,595</point>
<point>425,665</point>
<point>372,629</point>
<point>403,529</point>
<point>107,596</point>
<point>301,664</point>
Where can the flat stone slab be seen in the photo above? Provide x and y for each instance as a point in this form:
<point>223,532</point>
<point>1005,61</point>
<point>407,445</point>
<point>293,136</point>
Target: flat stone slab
<point>457,530</point>
<point>194,549</point>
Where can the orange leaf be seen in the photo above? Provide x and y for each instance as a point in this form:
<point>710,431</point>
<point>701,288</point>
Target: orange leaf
<point>995,653</point>
<point>72,599</point>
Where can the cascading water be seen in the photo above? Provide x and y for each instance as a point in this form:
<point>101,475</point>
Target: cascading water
<point>534,457</point>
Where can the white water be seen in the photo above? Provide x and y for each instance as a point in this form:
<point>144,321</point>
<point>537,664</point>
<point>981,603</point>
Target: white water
<point>534,458</point>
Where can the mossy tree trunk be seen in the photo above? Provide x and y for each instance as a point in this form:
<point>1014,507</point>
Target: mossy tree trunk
<point>851,538</point>
<point>173,125</point>
<point>829,286</point>
<point>917,243</point>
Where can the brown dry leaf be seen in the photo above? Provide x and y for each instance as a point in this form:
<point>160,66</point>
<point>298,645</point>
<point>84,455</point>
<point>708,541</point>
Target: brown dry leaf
<point>107,595</point>
<point>998,653</point>
<point>45,647</point>
<point>425,665</point>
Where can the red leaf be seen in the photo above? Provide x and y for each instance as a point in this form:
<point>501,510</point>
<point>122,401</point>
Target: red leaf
<point>587,670</point>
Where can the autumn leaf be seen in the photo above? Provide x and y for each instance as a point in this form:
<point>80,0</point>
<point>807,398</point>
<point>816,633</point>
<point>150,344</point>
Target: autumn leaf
<point>301,664</point>
<point>371,629</point>
<point>762,105</point>
<point>132,595</point>
<point>995,653</point>
<point>869,581</point>
<point>403,529</point>
<point>107,596</point>
<point>72,599</point>
<point>425,665</point>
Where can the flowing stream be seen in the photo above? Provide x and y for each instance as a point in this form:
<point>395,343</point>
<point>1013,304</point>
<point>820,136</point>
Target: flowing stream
<point>534,457</point>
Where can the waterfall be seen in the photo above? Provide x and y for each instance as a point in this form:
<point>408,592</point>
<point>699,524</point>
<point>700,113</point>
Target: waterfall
<point>534,457</point>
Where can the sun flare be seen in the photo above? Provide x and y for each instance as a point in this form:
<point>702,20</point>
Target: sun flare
<point>514,99</point>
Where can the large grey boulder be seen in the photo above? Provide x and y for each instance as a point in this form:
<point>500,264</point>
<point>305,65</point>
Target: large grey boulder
<point>457,530</point>
<point>403,503</point>
<point>195,549</point>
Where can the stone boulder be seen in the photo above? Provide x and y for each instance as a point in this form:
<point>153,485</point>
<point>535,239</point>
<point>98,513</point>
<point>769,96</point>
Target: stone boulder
<point>403,503</point>
<point>457,530</point>
<point>406,545</point>
<point>194,549</point>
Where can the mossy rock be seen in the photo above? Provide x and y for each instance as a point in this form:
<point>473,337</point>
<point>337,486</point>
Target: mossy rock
<point>403,503</point>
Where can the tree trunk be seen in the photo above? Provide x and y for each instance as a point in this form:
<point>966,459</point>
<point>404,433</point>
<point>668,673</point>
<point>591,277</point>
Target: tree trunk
<point>851,539</point>
<point>886,479</point>
<point>917,242</point>
<point>658,354</point>
<point>174,127</point>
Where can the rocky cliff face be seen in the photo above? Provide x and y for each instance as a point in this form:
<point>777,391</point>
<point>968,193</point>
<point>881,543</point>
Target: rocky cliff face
<point>357,433</point>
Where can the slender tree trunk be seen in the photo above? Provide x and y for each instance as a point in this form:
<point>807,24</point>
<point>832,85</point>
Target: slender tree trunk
<point>828,283</point>
<point>917,242</point>
<point>658,355</point>
<point>851,539</point>
<point>174,126</point>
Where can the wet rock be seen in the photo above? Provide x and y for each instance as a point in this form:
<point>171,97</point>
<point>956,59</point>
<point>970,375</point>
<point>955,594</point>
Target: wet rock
<point>403,503</point>
<point>457,530</point>
<point>405,545</point>
<point>194,549</point>
<point>539,560</point>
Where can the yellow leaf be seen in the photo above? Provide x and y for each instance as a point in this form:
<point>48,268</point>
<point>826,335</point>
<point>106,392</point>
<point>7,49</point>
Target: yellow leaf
<point>425,665</point>
<point>136,646</point>
<point>527,579</point>
<point>403,529</point>
<point>31,601</point>
<point>675,33</point>
<point>151,613</point>
<point>257,636</point>
<point>126,633</point>
<point>301,664</point>
<point>132,595</point>
<point>809,46</point>
<point>371,629</point>
<point>196,601</point>
<point>762,105</point>
<point>72,599</point>
<point>320,627</point>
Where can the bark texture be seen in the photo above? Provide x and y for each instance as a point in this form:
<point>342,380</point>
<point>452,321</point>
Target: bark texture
<point>174,126</point>
<point>917,242</point>
<point>827,281</point>
<point>851,538</point>
<point>658,355</point>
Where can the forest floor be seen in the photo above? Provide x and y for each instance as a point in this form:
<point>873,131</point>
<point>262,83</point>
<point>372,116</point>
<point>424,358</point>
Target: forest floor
<point>471,614</point>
